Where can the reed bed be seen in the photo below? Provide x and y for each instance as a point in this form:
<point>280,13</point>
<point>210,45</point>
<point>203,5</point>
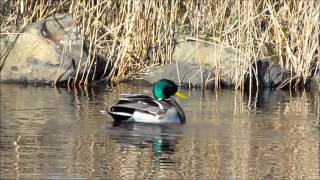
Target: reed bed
<point>136,34</point>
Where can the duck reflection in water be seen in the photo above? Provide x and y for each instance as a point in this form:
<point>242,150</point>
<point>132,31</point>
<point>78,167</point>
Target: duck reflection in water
<point>161,138</point>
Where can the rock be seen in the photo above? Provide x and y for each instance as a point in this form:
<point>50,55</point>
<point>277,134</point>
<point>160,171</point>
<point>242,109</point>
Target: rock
<point>184,74</point>
<point>271,75</point>
<point>314,85</point>
<point>194,63</point>
<point>197,63</point>
<point>212,57</point>
<point>36,54</point>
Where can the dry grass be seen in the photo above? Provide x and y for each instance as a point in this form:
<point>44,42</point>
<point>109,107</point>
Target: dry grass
<point>136,34</point>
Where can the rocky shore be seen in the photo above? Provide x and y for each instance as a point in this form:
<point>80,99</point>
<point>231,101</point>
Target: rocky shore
<point>52,51</point>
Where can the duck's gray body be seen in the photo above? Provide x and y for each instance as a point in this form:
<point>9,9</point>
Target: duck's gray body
<point>145,109</point>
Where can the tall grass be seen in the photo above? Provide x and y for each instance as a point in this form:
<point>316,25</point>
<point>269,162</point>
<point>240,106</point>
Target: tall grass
<point>136,34</point>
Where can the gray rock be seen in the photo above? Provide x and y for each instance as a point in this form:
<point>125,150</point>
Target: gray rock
<point>196,63</point>
<point>271,75</point>
<point>183,74</point>
<point>41,49</point>
<point>315,84</point>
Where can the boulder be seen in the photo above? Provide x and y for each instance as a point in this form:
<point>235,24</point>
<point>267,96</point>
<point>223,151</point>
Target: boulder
<point>184,74</point>
<point>271,75</point>
<point>43,52</point>
<point>314,84</point>
<point>196,63</point>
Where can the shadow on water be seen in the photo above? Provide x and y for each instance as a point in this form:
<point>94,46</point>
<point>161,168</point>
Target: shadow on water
<point>266,99</point>
<point>61,133</point>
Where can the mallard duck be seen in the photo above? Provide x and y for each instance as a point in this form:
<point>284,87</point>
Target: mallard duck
<point>161,108</point>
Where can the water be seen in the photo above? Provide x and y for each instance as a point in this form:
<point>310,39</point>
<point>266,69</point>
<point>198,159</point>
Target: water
<point>60,133</point>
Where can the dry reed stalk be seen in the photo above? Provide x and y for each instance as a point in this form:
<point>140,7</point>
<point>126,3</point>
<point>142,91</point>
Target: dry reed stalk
<point>81,57</point>
<point>61,62</point>
<point>134,35</point>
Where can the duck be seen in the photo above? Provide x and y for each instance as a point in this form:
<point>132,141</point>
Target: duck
<point>162,108</point>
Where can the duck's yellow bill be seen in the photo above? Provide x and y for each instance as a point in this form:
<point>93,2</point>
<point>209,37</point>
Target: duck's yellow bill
<point>181,95</point>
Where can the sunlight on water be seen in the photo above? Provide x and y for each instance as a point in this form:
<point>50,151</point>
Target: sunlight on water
<point>61,133</point>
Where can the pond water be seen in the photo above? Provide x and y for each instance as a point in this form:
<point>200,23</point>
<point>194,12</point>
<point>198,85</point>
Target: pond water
<point>61,133</point>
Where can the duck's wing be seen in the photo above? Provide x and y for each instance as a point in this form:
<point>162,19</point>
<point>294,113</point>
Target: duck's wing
<point>133,98</point>
<point>131,105</point>
<point>141,101</point>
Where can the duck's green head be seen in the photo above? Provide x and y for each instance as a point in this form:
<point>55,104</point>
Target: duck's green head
<point>164,89</point>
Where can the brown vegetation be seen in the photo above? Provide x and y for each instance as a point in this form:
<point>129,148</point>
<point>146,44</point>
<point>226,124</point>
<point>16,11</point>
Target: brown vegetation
<point>136,34</point>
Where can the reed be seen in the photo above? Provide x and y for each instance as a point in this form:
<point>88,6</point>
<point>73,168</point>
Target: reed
<point>134,34</point>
